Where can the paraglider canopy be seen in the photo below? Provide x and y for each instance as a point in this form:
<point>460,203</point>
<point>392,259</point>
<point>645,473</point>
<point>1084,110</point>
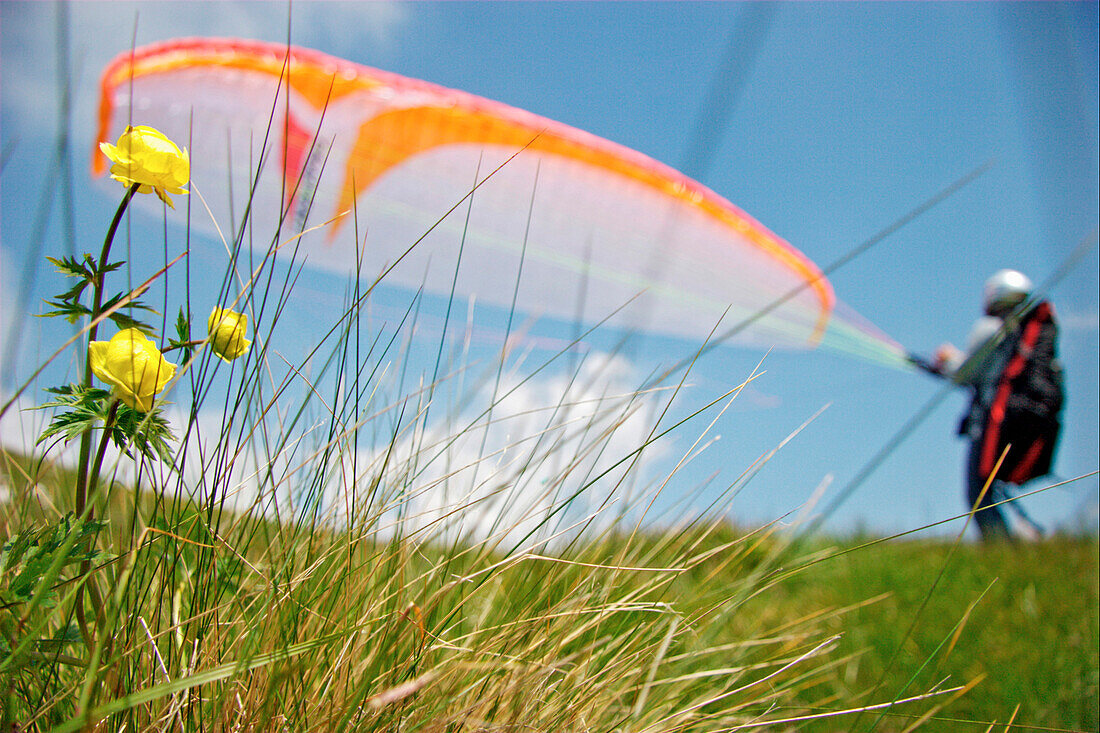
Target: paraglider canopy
<point>590,228</point>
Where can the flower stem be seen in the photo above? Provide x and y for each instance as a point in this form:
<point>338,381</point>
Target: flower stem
<point>97,302</point>
<point>184,345</point>
<point>97,296</point>
<point>86,565</point>
<point>93,480</point>
<point>82,482</point>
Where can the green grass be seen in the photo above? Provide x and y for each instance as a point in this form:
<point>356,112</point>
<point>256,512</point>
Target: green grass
<point>1029,631</point>
<point>302,631</point>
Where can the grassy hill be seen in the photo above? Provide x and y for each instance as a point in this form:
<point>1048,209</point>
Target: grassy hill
<point>1022,619</point>
<point>234,622</point>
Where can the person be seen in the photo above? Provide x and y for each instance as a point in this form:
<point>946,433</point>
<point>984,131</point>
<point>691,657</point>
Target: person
<point>1011,367</point>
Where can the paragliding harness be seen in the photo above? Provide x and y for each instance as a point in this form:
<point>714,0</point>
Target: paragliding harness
<point>1024,414</point>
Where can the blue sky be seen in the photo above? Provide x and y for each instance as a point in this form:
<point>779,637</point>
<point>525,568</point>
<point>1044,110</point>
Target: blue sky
<point>847,116</point>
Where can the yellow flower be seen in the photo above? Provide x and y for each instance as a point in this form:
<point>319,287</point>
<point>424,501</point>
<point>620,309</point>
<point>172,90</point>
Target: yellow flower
<point>146,157</point>
<point>227,333</point>
<point>131,364</point>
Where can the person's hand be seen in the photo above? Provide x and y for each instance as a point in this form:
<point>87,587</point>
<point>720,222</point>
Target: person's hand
<point>946,356</point>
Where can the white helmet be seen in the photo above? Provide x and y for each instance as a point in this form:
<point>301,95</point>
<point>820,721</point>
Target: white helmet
<point>1005,290</point>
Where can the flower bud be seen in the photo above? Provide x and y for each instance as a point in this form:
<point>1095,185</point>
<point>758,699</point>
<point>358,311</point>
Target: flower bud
<point>227,333</point>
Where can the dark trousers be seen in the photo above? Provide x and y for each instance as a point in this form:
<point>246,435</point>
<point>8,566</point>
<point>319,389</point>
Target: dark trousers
<point>990,520</point>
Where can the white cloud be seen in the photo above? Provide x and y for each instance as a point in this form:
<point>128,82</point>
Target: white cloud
<point>499,476</point>
<point>549,446</point>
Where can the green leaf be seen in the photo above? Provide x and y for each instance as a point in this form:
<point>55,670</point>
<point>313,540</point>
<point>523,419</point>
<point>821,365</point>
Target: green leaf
<point>23,585</point>
<point>75,292</point>
<point>135,304</point>
<point>72,267</point>
<point>13,552</point>
<point>28,556</point>
<point>63,637</point>
<point>66,303</point>
<point>124,320</point>
<point>183,342</point>
<point>85,409</point>
<point>71,311</point>
<point>149,432</point>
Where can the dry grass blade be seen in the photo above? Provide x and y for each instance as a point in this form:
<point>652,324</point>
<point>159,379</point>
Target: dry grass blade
<point>400,692</point>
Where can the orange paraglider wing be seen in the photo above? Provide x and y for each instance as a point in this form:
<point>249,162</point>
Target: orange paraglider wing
<point>305,137</point>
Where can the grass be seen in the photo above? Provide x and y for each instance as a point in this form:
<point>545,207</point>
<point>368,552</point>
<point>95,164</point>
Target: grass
<point>260,628</point>
<point>1021,618</point>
